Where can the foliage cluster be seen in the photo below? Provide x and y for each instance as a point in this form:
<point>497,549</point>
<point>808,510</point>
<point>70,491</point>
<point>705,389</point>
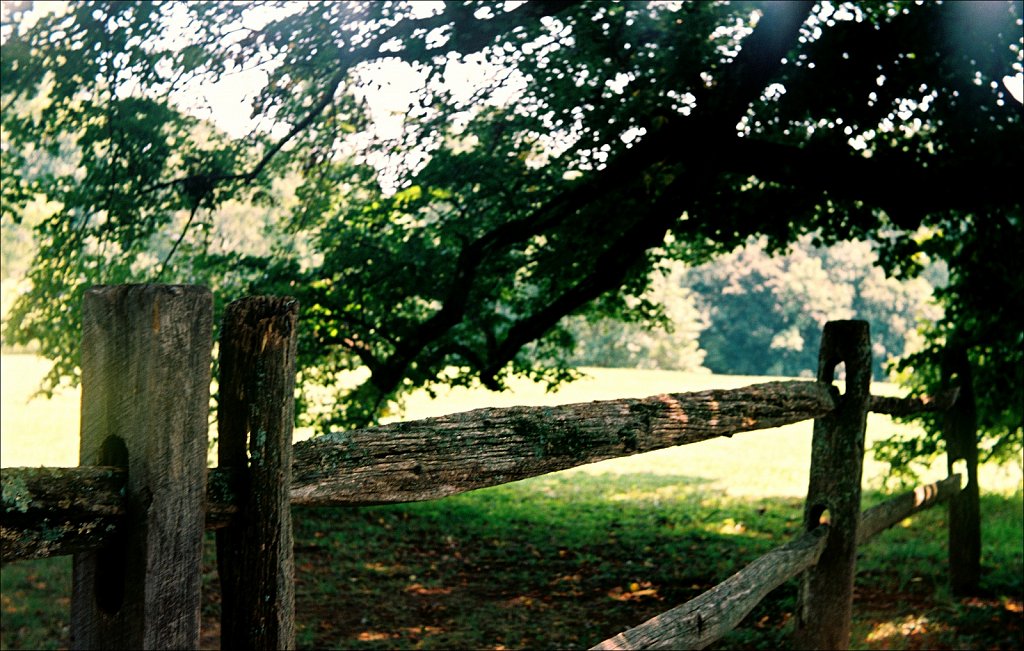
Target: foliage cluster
<point>766,312</point>
<point>545,158</point>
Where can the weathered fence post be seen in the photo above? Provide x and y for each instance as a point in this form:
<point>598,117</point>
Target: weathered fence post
<point>960,431</point>
<point>145,399</point>
<point>256,413</point>
<point>837,455</point>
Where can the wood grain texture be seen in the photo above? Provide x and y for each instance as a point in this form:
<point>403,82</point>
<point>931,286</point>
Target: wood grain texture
<point>824,604</point>
<point>145,398</point>
<point>706,618</point>
<point>255,418</point>
<point>436,457</point>
<point>34,534</point>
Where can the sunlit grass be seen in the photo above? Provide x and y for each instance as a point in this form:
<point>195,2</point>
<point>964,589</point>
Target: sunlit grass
<point>565,559</point>
<point>35,431</point>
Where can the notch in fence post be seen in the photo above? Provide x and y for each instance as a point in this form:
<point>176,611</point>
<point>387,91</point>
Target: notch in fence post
<point>255,417</point>
<point>145,402</point>
<point>960,430</point>
<point>837,455</point>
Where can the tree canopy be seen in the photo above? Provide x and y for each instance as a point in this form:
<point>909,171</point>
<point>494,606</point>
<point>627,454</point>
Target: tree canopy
<point>537,160</point>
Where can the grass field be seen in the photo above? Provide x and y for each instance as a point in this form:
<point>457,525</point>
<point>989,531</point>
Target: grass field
<point>568,559</point>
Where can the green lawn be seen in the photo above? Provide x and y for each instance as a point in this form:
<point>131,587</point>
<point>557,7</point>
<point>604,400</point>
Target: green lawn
<point>35,432</point>
<point>568,559</point>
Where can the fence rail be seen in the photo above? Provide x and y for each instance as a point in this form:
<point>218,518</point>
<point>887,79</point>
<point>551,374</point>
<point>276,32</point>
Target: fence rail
<point>52,511</point>
<point>707,617</point>
<point>136,477</point>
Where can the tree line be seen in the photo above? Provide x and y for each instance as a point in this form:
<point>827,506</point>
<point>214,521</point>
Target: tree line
<point>752,312</point>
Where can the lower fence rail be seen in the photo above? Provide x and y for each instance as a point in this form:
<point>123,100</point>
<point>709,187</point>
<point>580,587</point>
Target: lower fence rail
<point>705,619</point>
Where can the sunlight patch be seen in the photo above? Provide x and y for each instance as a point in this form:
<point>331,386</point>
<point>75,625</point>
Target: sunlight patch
<point>909,625</point>
<point>731,527</point>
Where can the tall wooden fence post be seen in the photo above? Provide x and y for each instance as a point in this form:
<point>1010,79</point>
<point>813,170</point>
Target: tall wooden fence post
<point>960,425</point>
<point>145,399</point>
<point>256,413</point>
<point>824,606</point>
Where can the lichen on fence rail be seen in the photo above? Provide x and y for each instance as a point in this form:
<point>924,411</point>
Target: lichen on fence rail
<point>437,457</point>
<point>55,511</point>
<point>422,459</point>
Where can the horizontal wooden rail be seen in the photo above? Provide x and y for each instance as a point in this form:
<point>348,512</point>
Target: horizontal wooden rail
<point>706,618</point>
<point>879,518</point>
<point>53,511</point>
<point>437,457</point>
<point>46,511</point>
<point>911,406</point>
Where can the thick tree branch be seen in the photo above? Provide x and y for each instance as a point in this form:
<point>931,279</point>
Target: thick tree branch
<point>608,272</point>
<point>760,59</point>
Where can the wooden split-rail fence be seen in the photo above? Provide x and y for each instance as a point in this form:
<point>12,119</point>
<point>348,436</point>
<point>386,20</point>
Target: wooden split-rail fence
<point>135,510</point>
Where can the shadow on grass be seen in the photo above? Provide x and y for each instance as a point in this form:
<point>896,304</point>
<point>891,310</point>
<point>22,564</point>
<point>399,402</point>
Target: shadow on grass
<point>554,562</point>
<point>565,561</point>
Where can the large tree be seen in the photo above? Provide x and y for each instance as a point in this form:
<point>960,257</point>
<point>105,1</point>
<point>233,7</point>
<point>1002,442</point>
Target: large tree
<point>449,237</point>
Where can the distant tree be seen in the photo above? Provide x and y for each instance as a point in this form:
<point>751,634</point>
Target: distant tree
<point>765,312</point>
<point>670,344</point>
<point>454,229</point>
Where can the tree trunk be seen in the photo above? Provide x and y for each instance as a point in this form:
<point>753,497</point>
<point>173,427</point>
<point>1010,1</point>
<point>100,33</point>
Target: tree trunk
<point>960,430</point>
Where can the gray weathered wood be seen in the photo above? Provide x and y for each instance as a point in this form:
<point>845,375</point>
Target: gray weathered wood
<point>145,399</point>
<point>824,606</point>
<point>436,457</point>
<point>960,431</point>
<point>255,417</point>
<point>882,516</point>
<point>704,619</point>
<point>54,511</point>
